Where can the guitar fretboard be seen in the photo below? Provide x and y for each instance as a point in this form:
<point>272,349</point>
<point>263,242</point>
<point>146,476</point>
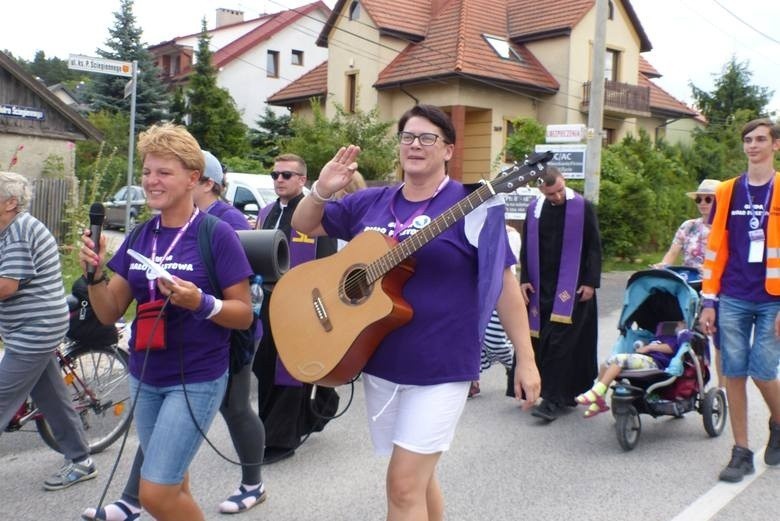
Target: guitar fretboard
<point>377,269</point>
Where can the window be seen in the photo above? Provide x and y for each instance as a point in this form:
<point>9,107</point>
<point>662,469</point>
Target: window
<point>502,48</point>
<point>351,101</point>
<point>272,64</point>
<point>244,197</point>
<point>297,57</point>
<point>354,10</point>
<point>610,10</point>
<point>510,129</point>
<point>608,137</point>
<point>611,65</point>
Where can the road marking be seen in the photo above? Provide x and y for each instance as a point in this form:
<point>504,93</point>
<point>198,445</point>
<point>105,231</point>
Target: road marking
<point>715,499</point>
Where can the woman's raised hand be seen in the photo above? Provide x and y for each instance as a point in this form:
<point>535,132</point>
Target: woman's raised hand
<point>87,255</point>
<point>337,172</point>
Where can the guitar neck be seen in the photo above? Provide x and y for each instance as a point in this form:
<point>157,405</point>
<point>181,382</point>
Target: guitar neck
<point>401,251</point>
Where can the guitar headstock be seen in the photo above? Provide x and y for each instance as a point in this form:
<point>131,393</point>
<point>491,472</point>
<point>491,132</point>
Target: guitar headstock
<point>517,175</point>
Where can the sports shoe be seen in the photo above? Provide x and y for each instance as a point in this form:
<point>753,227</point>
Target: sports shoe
<point>741,465</point>
<point>772,453</point>
<point>70,474</point>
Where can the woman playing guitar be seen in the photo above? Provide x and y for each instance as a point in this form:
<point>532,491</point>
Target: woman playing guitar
<point>417,380</point>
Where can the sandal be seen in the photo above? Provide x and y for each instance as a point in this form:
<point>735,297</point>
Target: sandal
<point>91,514</point>
<point>583,398</point>
<point>601,406</point>
<point>242,500</point>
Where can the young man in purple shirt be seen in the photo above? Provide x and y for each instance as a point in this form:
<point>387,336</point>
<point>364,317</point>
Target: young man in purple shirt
<point>742,272</point>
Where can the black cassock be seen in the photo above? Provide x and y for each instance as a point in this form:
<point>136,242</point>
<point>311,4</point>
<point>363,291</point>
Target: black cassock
<point>287,412</point>
<point>566,354</point>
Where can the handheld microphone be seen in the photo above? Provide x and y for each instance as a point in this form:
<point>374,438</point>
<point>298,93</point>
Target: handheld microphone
<point>97,213</point>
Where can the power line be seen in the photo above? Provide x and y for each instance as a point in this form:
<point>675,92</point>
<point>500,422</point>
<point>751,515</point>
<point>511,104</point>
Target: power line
<point>743,22</point>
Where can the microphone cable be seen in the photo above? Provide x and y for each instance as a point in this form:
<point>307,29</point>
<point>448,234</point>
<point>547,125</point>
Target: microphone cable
<point>115,466</point>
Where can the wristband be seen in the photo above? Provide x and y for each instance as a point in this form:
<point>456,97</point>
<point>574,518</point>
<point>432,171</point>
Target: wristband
<point>216,309</point>
<point>708,303</point>
<point>317,197</point>
<point>205,308</point>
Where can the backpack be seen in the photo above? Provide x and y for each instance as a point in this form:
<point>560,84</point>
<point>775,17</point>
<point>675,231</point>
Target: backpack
<point>242,341</point>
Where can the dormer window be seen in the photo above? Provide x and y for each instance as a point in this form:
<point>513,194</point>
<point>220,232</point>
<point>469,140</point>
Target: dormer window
<point>354,10</point>
<point>502,47</point>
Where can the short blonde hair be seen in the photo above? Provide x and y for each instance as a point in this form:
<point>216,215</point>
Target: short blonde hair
<point>293,158</point>
<point>16,186</point>
<point>169,140</point>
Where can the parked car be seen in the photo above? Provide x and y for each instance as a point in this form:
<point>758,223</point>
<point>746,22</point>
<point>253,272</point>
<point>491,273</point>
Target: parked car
<point>116,206</point>
<point>249,192</point>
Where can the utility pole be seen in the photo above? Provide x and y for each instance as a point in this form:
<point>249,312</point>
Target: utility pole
<point>596,105</point>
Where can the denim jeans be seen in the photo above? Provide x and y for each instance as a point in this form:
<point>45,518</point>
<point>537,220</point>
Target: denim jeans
<point>737,320</point>
<point>164,421</point>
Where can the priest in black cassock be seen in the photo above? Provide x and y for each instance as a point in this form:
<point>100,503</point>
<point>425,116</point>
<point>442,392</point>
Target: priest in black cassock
<point>560,271</point>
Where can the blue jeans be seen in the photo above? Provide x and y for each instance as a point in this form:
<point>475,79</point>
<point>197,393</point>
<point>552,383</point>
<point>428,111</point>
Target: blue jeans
<point>737,319</point>
<point>169,437</point>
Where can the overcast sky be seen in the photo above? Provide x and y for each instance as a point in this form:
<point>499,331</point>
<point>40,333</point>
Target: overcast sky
<point>692,39</point>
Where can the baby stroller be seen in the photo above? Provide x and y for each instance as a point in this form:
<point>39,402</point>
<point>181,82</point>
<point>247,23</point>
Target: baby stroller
<point>653,297</point>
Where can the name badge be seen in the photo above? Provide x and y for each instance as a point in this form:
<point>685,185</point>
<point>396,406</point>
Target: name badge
<point>756,251</point>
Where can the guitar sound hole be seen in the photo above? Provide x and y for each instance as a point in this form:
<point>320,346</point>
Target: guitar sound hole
<point>355,288</point>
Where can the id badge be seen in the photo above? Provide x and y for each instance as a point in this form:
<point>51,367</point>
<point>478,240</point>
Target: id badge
<point>756,251</point>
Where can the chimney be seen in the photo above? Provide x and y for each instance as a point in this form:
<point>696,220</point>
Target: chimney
<point>228,16</point>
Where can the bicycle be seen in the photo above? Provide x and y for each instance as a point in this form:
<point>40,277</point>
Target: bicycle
<point>97,378</point>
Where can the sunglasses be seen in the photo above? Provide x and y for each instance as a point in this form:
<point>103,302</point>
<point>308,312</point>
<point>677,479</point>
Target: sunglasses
<point>706,199</point>
<point>285,175</point>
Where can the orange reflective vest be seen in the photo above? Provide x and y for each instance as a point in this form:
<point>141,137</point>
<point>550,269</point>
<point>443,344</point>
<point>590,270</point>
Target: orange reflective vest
<point>717,253</point>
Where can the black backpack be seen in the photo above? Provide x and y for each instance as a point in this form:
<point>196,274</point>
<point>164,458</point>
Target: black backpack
<point>242,341</point>
<point>84,327</point>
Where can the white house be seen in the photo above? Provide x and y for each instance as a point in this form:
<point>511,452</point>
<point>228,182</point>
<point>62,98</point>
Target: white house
<point>254,58</point>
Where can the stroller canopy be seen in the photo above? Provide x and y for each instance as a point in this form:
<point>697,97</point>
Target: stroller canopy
<point>655,295</point>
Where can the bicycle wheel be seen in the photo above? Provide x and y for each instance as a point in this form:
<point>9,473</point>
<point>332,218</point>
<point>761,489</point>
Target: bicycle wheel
<point>97,379</point>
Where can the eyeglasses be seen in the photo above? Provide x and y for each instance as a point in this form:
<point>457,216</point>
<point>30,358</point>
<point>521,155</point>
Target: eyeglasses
<point>285,175</point>
<point>706,199</point>
<point>426,138</point>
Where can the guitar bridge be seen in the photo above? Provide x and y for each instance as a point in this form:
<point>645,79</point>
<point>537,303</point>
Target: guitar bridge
<point>319,310</point>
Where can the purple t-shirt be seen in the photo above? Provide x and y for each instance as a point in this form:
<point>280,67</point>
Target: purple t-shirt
<point>202,343</point>
<point>230,214</point>
<point>442,341</point>
<point>742,279</point>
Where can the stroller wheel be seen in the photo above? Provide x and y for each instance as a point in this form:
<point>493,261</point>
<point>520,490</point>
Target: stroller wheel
<point>628,426</point>
<point>714,412</point>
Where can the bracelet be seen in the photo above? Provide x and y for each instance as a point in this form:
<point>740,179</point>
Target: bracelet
<point>319,198</point>
<point>95,282</point>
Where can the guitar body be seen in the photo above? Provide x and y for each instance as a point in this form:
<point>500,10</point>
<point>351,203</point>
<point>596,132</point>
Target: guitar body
<point>327,322</point>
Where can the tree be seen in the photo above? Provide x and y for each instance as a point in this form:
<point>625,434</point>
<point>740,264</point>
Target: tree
<point>214,119</point>
<point>732,92</point>
<point>51,70</point>
<point>527,132</point>
<point>264,140</point>
<point>316,140</point>
<point>107,92</point>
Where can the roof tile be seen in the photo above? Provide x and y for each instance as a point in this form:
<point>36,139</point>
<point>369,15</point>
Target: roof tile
<point>312,84</point>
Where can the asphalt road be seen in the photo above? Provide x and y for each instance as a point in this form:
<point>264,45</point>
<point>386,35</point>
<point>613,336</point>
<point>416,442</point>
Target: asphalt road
<point>503,465</point>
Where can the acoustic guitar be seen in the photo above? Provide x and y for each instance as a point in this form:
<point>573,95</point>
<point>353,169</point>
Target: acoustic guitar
<point>329,315</point>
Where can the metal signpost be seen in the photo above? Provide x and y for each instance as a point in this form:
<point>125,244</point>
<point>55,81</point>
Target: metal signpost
<point>115,68</point>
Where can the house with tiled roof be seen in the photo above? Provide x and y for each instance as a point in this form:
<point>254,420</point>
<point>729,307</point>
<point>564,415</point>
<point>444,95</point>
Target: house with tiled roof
<point>254,58</point>
<point>486,62</point>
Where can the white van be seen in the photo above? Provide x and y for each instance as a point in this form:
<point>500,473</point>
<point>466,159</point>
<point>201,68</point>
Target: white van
<point>249,192</point>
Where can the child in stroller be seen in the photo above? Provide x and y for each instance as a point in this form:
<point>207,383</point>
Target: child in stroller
<point>654,302</point>
<point>655,354</point>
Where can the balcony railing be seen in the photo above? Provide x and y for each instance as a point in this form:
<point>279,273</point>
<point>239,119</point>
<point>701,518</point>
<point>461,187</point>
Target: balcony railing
<point>621,98</point>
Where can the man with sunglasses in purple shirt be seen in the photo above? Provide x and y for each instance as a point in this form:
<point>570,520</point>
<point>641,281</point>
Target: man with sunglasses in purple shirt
<point>283,402</point>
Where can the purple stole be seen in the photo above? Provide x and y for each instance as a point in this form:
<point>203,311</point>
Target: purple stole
<point>569,268</point>
<point>302,249</point>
